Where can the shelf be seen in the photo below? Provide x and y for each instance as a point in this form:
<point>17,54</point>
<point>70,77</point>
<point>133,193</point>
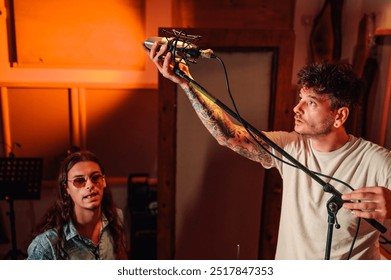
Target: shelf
<point>383,32</point>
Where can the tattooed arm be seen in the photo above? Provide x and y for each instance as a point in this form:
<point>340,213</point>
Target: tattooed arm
<point>212,116</point>
<point>223,129</point>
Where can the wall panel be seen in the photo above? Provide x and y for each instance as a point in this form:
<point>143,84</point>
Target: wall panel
<point>39,121</point>
<point>122,129</point>
<point>252,14</point>
<point>80,33</point>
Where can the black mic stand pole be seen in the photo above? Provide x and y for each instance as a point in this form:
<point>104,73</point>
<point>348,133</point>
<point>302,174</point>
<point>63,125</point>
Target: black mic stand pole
<point>335,203</point>
<point>14,252</point>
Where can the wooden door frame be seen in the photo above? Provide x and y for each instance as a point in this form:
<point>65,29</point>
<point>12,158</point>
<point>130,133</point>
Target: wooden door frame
<point>280,118</point>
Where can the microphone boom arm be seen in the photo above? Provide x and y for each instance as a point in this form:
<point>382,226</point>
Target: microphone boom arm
<point>326,186</point>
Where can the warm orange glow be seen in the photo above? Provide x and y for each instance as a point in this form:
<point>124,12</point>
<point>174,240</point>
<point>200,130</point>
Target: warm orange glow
<point>39,120</point>
<point>5,121</point>
<point>82,44</point>
<point>101,103</point>
<point>80,33</point>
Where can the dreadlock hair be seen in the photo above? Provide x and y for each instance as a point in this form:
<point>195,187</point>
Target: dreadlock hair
<point>337,79</point>
<point>61,211</point>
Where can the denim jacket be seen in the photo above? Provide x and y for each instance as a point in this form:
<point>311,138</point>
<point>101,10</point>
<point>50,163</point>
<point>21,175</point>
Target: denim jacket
<point>78,247</point>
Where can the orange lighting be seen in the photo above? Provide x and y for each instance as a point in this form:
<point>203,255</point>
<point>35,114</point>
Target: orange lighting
<point>80,34</point>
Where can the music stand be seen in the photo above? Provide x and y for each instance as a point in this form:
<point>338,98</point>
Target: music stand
<point>20,179</point>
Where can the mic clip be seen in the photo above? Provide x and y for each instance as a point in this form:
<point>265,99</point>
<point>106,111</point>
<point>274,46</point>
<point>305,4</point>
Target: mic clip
<point>188,51</point>
<point>333,205</point>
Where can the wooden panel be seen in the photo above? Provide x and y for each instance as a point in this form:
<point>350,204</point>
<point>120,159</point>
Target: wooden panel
<point>383,32</point>
<point>253,14</point>
<point>167,104</point>
<point>211,177</point>
<point>80,33</point>
<point>39,122</point>
<point>122,129</point>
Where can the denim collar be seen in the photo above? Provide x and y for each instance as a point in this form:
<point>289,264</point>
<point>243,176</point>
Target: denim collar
<point>70,230</point>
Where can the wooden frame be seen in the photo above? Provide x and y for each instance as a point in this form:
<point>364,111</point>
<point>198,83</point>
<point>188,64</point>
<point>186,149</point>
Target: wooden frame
<point>89,35</point>
<point>282,41</point>
<point>56,71</point>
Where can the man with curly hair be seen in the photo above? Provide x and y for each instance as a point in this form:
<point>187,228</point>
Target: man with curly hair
<point>320,142</point>
<point>83,223</point>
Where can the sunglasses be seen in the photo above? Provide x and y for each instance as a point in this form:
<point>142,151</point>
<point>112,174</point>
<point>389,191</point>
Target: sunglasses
<point>80,182</point>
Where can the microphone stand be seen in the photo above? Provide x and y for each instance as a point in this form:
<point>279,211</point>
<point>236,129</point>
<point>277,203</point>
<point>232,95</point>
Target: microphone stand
<point>333,205</point>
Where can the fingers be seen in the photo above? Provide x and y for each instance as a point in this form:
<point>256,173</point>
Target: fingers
<point>369,210</point>
<point>363,206</point>
<point>369,215</point>
<point>155,52</point>
<point>367,202</point>
<point>165,66</point>
<point>367,194</point>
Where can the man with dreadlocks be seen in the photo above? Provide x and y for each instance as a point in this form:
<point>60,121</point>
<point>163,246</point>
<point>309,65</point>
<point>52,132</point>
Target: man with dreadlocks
<point>320,142</point>
<point>83,223</point>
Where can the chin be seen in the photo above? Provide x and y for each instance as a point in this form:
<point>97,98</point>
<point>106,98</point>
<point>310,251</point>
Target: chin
<point>302,133</point>
<point>94,206</point>
<point>297,130</point>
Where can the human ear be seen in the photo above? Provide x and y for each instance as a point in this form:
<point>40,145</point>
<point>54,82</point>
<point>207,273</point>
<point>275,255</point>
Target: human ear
<point>66,189</point>
<point>341,116</point>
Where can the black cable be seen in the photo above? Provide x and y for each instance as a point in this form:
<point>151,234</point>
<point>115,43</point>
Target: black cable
<point>384,240</point>
<point>187,41</point>
<point>354,238</point>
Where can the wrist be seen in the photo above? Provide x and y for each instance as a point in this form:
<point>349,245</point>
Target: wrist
<point>185,86</point>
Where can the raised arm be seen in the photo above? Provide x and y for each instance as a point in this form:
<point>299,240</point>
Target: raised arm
<point>211,115</point>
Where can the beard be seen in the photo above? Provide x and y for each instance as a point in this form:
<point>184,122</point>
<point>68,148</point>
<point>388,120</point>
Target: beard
<point>313,129</point>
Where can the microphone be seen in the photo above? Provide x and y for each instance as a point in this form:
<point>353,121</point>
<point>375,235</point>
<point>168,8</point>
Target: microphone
<point>181,49</point>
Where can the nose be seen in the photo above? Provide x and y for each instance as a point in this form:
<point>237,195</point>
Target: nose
<point>298,108</point>
<point>89,183</point>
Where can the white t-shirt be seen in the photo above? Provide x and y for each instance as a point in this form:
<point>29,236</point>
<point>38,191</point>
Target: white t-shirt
<point>304,218</point>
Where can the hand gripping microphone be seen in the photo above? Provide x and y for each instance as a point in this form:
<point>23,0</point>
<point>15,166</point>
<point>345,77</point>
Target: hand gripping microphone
<point>179,48</point>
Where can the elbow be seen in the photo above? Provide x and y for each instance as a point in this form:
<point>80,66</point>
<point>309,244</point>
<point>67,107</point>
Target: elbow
<point>222,142</point>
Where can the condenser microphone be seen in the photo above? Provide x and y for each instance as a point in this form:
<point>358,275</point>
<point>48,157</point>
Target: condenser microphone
<point>179,48</point>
